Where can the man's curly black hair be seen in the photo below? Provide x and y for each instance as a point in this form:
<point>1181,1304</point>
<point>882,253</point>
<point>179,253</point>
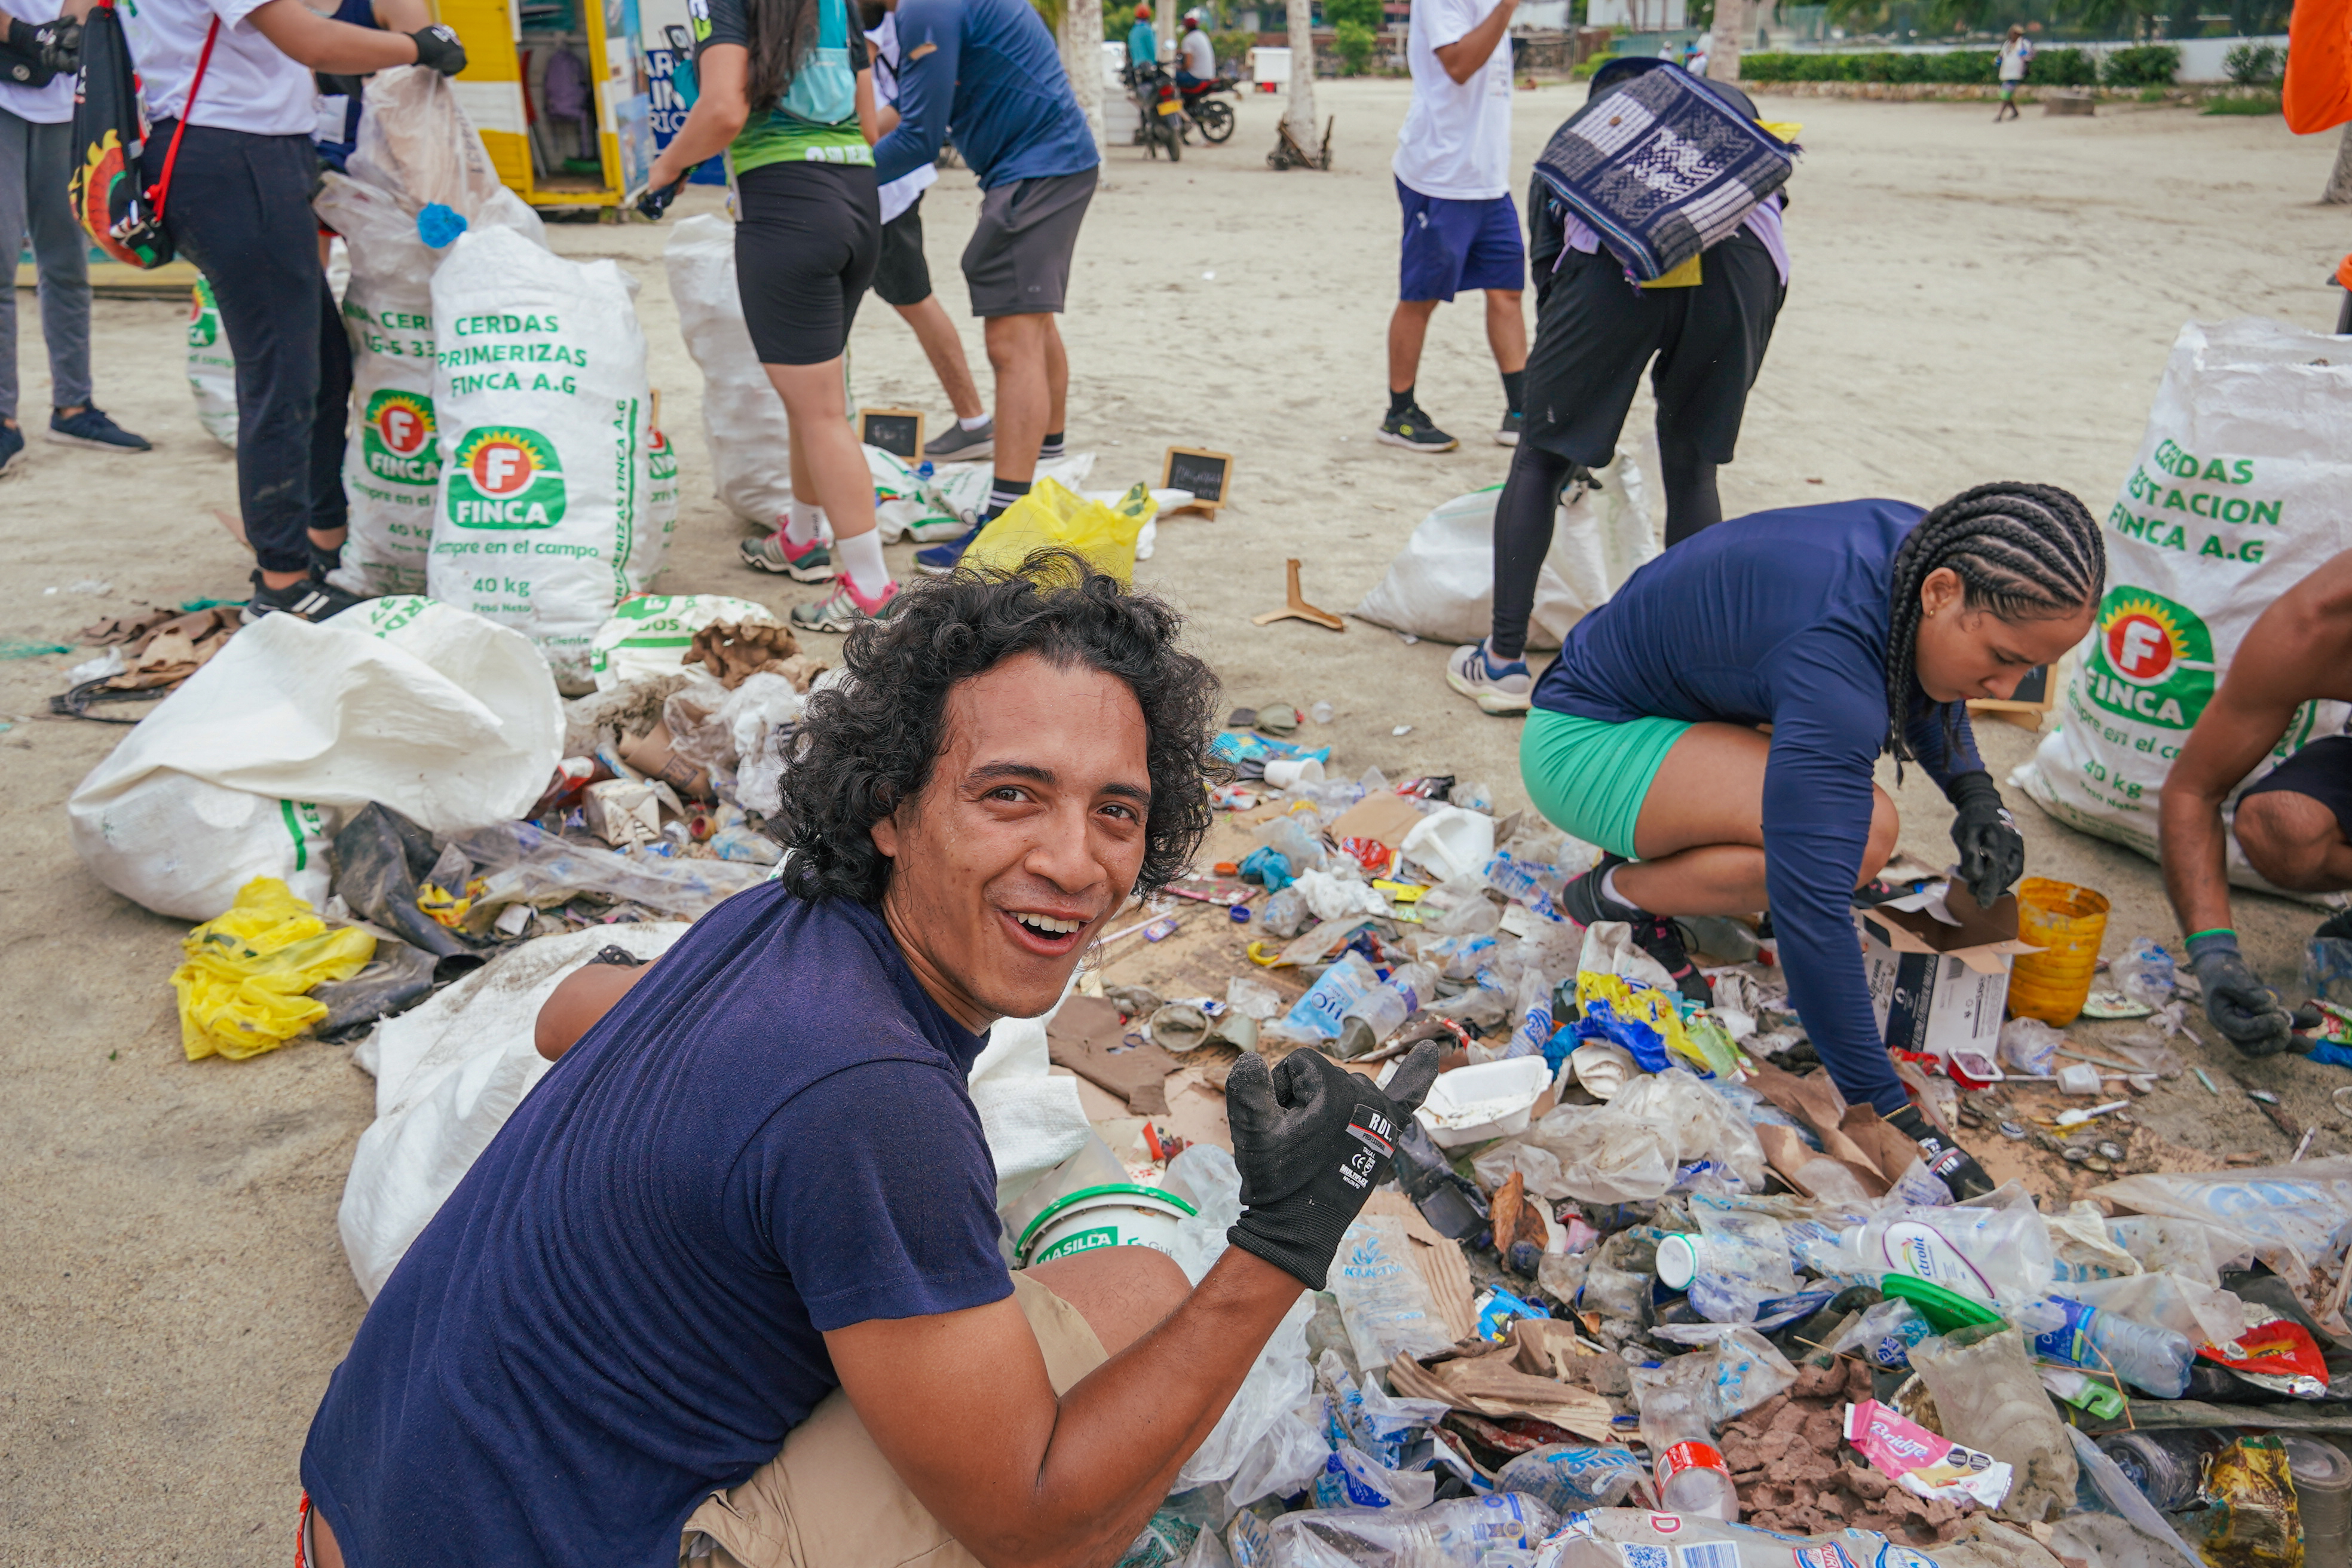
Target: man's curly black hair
<point>866,744</point>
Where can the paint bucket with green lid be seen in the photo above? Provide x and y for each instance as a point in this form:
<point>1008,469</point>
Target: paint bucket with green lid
<point>1116,1214</point>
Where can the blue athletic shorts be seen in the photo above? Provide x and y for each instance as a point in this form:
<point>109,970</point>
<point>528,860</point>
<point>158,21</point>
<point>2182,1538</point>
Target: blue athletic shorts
<point>1451,245</point>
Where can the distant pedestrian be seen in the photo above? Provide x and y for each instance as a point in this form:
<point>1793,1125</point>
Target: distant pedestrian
<point>1142,40</point>
<point>2016,54</point>
<point>1453,169</point>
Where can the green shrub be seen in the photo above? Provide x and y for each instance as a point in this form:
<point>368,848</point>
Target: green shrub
<point>2063,67</point>
<point>2142,65</point>
<point>1965,66</point>
<point>1234,45</point>
<point>2252,65</point>
<point>2244,103</point>
<point>1582,70</point>
<point>1353,41</point>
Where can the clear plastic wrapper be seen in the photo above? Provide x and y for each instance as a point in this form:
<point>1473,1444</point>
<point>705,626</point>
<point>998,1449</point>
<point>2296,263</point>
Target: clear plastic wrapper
<point>1382,1299</point>
<point>1884,1335</point>
<point>1988,1397</point>
<point>1456,1534</point>
<point>521,865</point>
<point>1571,1478</point>
<point>2295,1216</point>
<point>1352,1479</point>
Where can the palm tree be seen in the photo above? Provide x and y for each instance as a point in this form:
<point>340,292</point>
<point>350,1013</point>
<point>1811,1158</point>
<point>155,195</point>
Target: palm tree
<point>1078,28</point>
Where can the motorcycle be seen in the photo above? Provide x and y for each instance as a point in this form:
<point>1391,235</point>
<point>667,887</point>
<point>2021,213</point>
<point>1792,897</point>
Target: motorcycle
<point>1161,109</point>
<point>1216,120</point>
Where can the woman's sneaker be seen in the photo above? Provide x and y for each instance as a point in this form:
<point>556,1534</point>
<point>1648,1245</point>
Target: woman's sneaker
<point>1496,685</point>
<point>812,562</point>
<point>957,445</point>
<point>1583,901</point>
<point>942,559</point>
<point>843,609</point>
<point>307,600</point>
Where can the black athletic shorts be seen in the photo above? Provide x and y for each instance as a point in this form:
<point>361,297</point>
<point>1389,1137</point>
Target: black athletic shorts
<point>2322,770</point>
<point>902,275</point>
<point>1018,262</point>
<point>804,253</point>
<point>1595,333</point>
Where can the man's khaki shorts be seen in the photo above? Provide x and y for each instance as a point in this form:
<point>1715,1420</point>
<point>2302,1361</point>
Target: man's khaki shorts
<point>830,1500</point>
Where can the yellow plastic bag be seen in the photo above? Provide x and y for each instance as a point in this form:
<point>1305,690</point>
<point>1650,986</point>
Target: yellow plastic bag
<point>1052,515</point>
<point>1635,1003</point>
<point>243,989</point>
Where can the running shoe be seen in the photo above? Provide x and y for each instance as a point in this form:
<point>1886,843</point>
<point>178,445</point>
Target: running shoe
<point>1583,901</point>
<point>1496,686</point>
<point>1415,430</point>
<point>812,562</point>
<point>93,428</point>
<point>307,600</point>
<point>957,445</point>
<point>844,609</point>
<point>1508,434</point>
<point>12,447</point>
<point>942,559</point>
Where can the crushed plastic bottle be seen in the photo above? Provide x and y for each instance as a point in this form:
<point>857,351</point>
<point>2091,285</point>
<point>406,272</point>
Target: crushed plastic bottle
<point>1571,1477</point>
<point>1455,1534</point>
<point>1328,1000</point>
<point>2153,1359</point>
<point>2031,1046</point>
<point>1321,713</point>
<point>1473,797</point>
<point>1287,913</point>
<point>1884,1335</point>
<point>1988,1254</point>
<point>2146,973</point>
<point>1248,995</point>
<point>1988,1398</point>
<point>1382,1010</point>
<point>1686,1469</point>
<point>1738,1260</point>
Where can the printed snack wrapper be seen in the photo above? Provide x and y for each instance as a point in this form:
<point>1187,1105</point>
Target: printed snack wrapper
<point>1923,1463</point>
<point>1636,1538</point>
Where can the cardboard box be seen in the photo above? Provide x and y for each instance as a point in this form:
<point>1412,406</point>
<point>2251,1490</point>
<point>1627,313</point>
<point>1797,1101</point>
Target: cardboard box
<point>1938,965</point>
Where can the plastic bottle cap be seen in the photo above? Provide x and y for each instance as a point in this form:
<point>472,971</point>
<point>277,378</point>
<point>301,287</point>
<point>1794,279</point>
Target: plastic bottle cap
<point>1677,1262</point>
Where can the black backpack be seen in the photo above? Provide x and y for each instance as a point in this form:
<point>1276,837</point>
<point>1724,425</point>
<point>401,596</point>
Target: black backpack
<point>124,219</point>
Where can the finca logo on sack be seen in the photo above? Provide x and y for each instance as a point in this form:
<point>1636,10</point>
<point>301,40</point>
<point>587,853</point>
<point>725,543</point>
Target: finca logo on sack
<point>2152,660</point>
<point>506,477</point>
<point>396,438</point>
<point>204,316</point>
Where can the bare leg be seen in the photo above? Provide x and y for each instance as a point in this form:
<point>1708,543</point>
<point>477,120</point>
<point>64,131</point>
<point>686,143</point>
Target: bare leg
<point>2295,841</point>
<point>941,345</point>
<point>1408,329</point>
<point>1018,354</point>
<point>1122,1292</point>
<point>1057,379</point>
<point>824,447</point>
<point>1506,329</point>
<point>1701,831</point>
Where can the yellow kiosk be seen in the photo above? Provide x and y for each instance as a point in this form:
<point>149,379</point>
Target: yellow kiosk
<point>559,90</point>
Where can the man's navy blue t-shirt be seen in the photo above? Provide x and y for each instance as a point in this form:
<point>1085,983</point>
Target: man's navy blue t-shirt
<point>620,1309</point>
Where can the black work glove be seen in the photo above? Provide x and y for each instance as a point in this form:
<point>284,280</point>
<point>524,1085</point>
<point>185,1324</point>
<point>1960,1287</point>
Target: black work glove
<point>39,51</point>
<point>1956,1167</point>
<point>654,203</point>
<point>438,48</point>
<point>2248,1013</point>
<point>1992,852</point>
<point>1312,1139</point>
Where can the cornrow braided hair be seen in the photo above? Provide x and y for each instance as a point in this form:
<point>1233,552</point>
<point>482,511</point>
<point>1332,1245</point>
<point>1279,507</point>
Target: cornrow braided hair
<point>2022,550</point>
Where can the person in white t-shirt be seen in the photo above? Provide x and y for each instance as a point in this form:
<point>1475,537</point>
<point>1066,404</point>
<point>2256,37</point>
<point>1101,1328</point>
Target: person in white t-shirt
<point>238,206</point>
<point>39,54</point>
<point>2016,55</point>
<point>1196,57</point>
<point>1453,169</point>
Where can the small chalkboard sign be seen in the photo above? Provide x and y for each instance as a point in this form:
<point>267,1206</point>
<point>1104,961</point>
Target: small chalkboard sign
<point>2026,706</point>
<point>897,431</point>
<point>1207,475</point>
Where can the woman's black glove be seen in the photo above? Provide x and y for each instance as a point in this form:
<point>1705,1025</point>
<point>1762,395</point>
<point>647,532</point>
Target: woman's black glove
<point>438,48</point>
<point>1992,852</point>
<point>36,53</point>
<point>655,204</point>
<point>2248,1013</point>
<point>1312,1139</point>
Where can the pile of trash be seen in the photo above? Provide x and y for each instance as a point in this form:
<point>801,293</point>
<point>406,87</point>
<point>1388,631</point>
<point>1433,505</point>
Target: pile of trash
<point>1645,1290</point>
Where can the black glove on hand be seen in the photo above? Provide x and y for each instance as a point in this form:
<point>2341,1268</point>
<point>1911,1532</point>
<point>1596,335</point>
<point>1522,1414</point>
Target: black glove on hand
<point>42,51</point>
<point>1312,1140</point>
<point>1956,1167</point>
<point>655,204</point>
<point>2247,1012</point>
<point>1992,852</point>
<point>438,48</point>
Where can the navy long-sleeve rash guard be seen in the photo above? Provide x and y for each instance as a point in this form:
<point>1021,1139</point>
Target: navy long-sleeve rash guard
<point>989,67</point>
<point>1781,618</point>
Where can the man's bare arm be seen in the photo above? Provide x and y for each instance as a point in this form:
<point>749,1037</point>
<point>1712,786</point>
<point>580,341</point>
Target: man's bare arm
<point>2300,649</point>
<point>960,1405</point>
<point>1467,55</point>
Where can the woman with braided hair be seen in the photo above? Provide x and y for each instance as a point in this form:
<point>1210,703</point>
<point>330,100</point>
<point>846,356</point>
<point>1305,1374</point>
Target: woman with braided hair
<point>1850,629</point>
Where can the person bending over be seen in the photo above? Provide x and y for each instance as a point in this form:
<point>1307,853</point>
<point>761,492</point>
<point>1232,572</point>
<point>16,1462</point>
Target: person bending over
<point>726,1289</point>
<point>1595,334</point>
<point>1850,628</point>
<point>2295,823</point>
<point>991,69</point>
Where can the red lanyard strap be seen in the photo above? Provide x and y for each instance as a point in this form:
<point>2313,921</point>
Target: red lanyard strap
<point>163,187</point>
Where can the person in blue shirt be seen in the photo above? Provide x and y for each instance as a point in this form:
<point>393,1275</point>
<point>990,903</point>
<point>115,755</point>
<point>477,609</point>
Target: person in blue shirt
<point>1142,39</point>
<point>726,1288</point>
<point>1850,628</point>
<point>990,69</point>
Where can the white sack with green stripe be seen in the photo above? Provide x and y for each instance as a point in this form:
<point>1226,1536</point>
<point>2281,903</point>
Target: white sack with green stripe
<point>542,407</point>
<point>244,771</point>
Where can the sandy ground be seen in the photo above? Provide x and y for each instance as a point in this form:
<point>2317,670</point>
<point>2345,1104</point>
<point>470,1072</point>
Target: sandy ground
<point>1970,302</point>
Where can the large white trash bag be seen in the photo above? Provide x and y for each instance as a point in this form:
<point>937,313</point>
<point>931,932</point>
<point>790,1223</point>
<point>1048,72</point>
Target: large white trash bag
<point>542,399</point>
<point>1442,584</point>
<point>447,719</point>
<point>2238,495</point>
<point>742,416</point>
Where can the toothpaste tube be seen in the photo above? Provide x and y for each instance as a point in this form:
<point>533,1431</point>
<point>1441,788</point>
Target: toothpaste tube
<point>1921,1462</point>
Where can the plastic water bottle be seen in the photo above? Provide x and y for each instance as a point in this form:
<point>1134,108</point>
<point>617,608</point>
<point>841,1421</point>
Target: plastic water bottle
<point>2149,1356</point>
<point>1990,1254</point>
<point>1686,1467</point>
<point>1381,1011</point>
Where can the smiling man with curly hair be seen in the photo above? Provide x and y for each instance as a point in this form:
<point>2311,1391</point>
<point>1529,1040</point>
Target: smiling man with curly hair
<point>727,1288</point>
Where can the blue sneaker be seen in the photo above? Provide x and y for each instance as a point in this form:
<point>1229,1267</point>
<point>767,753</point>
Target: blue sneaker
<point>93,428</point>
<point>940,559</point>
<point>12,447</point>
<point>1496,686</point>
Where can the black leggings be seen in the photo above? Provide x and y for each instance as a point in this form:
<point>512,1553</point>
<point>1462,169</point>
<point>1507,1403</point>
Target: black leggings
<point>1523,524</point>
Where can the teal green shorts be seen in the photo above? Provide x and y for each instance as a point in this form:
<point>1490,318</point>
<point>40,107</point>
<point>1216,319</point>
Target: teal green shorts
<point>1589,777</point>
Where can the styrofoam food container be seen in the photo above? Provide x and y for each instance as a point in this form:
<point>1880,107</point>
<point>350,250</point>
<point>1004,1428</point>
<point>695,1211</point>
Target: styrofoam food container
<point>1119,1215</point>
<point>1490,1100</point>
